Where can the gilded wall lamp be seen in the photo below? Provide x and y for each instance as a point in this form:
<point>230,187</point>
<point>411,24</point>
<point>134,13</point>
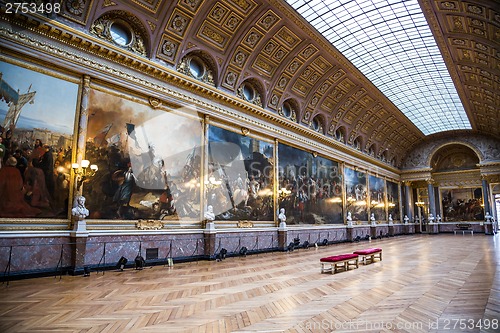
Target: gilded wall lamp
<point>83,171</point>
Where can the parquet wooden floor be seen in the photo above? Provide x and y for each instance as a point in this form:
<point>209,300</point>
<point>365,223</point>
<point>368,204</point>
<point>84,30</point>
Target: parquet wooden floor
<point>425,283</point>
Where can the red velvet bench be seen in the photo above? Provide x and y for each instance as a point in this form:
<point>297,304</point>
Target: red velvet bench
<point>341,261</point>
<point>370,254</point>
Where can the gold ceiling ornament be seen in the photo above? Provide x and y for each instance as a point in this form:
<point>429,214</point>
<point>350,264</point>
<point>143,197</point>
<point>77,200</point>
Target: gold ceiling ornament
<point>149,225</point>
<point>245,224</point>
<point>155,102</point>
<point>245,131</point>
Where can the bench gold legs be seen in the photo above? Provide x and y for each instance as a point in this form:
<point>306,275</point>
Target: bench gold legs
<point>338,265</point>
<point>371,257</point>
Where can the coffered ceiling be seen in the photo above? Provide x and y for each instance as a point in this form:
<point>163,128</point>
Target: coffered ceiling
<point>272,45</point>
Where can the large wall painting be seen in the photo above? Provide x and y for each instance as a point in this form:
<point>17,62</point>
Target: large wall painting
<point>462,204</point>
<point>356,194</point>
<point>310,187</point>
<point>239,180</point>
<point>37,118</point>
<point>377,197</point>
<point>149,161</point>
<point>393,200</point>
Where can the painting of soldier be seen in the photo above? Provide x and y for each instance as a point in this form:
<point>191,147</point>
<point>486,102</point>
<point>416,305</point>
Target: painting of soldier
<point>149,160</point>
<point>356,194</point>
<point>239,184</point>
<point>37,134</point>
<point>393,200</point>
<point>462,204</point>
<point>377,197</point>
<point>310,187</point>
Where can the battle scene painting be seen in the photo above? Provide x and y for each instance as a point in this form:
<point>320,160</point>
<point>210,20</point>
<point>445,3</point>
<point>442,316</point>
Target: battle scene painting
<point>356,194</point>
<point>377,197</point>
<point>462,204</point>
<point>310,187</point>
<point>393,201</point>
<point>149,161</point>
<point>239,182</point>
<point>37,120</point>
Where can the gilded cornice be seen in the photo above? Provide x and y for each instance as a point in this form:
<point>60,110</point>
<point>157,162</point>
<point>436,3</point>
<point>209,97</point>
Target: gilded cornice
<point>459,179</point>
<point>416,174</point>
<point>12,224</point>
<point>140,71</point>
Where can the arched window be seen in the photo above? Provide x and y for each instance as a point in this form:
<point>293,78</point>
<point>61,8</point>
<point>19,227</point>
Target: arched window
<point>289,109</point>
<point>121,33</point>
<point>340,134</point>
<point>317,124</point>
<point>122,29</point>
<point>198,66</point>
<point>250,92</point>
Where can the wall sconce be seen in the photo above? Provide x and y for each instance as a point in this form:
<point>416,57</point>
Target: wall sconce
<point>212,183</point>
<point>283,193</point>
<point>351,199</point>
<point>82,172</point>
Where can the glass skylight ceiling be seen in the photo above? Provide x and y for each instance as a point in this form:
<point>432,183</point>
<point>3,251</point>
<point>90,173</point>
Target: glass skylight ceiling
<point>390,42</point>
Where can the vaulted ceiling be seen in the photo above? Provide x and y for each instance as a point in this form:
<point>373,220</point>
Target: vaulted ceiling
<point>268,43</point>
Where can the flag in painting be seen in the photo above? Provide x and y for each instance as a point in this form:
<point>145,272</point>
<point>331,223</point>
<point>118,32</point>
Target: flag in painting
<point>99,139</point>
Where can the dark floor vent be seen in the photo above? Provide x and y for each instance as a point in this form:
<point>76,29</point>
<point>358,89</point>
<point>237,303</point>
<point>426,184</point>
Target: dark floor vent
<point>152,254</point>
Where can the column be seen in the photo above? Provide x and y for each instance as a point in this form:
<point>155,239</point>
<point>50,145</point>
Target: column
<point>432,201</point>
<point>408,205</point>
<point>486,195</point>
<point>79,234</point>
<point>433,227</point>
<point>488,225</point>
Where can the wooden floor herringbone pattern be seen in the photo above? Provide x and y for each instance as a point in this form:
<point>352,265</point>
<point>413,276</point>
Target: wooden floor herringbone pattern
<point>425,283</point>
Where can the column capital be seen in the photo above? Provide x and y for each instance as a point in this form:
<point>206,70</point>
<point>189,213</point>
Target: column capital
<point>430,181</point>
<point>407,182</point>
<point>485,177</point>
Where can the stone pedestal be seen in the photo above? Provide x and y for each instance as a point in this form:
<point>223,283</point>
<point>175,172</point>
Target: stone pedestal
<point>373,231</point>
<point>282,239</point>
<point>391,230</point>
<point>209,236</point>
<point>349,234</point>
<point>78,250</point>
<point>78,237</point>
<point>79,228</point>
<point>488,228</point>
<point>433,228</point>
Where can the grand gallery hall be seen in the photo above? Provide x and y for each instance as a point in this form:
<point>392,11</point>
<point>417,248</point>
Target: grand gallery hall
<point>249,166</point>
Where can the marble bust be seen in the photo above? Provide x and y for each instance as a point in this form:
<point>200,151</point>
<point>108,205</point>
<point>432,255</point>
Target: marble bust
<point>79,211</point>
<point>209,214</point>
<point>349,219</point>
<point>282,216</point>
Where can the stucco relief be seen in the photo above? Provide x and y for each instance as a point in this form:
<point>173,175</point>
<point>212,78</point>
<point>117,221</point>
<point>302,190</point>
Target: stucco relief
<point>488,150</point>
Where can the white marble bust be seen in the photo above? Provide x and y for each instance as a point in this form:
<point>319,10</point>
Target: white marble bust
<point>282,216</point>
<point>79,211</point>
<point>209,214</point>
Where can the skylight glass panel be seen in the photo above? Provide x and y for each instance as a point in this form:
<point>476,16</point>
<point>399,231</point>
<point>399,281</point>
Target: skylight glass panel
<point>390,42</point>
